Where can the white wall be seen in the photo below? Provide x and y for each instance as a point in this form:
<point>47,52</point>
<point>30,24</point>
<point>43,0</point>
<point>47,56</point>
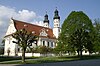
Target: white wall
<point>35,54</point>
<point>56,29</point>
<point>11,28</point>
<point>46,42</point>
<point>8,40</point>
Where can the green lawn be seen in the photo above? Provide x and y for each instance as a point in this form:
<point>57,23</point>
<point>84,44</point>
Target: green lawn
<point>52,59</point>
<point>9,58</point>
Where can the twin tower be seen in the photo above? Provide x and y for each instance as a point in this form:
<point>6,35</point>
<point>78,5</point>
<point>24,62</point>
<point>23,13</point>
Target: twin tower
<point>56,23</point>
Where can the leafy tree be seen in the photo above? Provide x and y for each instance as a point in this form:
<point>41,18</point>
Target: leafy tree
<point>80,40</point>
<point>2,47</point>
<point>59,49</point>
<point>97,35</point>
<point>1,50</point>
<point>3,42</point>
<point>35,49</point>
<point>42,49</point>
<point>75,31</point>
<point>24,39</point>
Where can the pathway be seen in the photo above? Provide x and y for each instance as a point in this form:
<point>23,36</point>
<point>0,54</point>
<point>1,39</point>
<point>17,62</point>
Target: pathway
<point>94,62</point>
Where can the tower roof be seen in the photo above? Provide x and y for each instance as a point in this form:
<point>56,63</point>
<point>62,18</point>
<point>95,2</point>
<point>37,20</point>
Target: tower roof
<point>56,15</point>
<point>46,18</point>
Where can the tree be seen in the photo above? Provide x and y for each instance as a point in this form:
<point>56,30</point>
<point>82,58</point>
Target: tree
<point>97,35</point>
<point>80,40</point>
<point>3,42</point>
<point>75,30</point>
<point>43,50</point>
<point>8,51</point>
<point>1,50</point>
<point>59,49</point>
<point>24,39</point>
<point>2,47</point>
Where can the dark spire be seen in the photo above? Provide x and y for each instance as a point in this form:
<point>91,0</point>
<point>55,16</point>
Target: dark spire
<point>56,15</point>
<point>46,18</point>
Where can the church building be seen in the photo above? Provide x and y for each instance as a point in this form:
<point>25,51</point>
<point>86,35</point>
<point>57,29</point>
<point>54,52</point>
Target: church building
<point>47,36</point>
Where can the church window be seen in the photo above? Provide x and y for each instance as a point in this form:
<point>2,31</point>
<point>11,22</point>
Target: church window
<point>56,24</point>
<point>48,44</point>
<point>43,43</point>
<point>51,44</point>
<point>33,32</point>
<point>18,49</point>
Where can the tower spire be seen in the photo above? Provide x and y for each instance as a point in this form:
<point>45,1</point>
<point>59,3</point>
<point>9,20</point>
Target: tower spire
<point>46,21</point>
<point>46,18</point>
<point>56,14</point>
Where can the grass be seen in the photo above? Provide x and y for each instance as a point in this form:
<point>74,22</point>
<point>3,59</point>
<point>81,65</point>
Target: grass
<point>10,58</point>
<point>54,59</point>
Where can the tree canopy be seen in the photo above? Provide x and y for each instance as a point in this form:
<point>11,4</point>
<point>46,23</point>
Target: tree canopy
<point>76,32</point>
<point>24,39</point>
<point>97,35</point>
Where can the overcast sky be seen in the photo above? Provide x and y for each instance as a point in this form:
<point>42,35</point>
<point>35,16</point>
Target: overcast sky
<point>33,11</point>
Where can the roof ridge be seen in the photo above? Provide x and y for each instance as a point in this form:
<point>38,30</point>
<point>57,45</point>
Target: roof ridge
<point>30,23</point>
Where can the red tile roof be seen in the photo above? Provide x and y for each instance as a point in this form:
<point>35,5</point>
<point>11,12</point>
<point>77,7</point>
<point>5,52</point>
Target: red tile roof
<point>33,28</point>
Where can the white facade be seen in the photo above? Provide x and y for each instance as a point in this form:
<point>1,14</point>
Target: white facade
<point>46,24</point>
<point>11,28</point>
<point>9,45</point>
<point>56,29</point>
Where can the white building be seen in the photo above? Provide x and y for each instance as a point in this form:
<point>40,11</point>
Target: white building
<point>47,36</point>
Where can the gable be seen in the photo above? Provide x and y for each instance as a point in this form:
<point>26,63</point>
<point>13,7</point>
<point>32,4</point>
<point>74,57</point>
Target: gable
<point>11,29</point>
<point>43,32</point>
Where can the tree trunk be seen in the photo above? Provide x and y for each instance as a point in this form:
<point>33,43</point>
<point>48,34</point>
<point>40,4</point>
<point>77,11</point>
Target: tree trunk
<point>80,52</point>
<point>23,55</point>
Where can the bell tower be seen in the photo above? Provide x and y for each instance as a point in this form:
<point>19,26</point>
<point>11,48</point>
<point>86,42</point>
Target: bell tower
<point>56,27</point>
<point>46,21</point>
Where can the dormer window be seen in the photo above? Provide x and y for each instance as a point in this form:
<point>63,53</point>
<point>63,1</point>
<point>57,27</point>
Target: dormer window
<point>33,32</point>
<point>25,25</point>
<point>47,30</point>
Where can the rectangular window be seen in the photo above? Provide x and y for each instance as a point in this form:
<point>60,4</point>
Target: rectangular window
<point>18,49</point>
<point>51,44</point>
<point>43,43</point>
<point>48,44</point>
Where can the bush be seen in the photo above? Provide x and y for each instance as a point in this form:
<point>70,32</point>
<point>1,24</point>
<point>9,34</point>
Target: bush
<point>1,50</point>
